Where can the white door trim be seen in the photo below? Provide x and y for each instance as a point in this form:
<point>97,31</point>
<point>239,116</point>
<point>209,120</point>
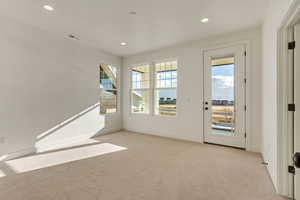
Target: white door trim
<point>297,107</point>
<point>238,139</point>
<point>248,64</point>
<point>284,136</point>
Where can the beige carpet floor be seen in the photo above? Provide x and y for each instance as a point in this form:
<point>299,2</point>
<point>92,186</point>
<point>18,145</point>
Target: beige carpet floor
<point>129,166</point>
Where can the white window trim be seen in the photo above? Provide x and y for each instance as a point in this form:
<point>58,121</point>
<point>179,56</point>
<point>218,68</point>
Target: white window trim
<point>141,89</point>
<point>248,47</point>
<point>152,88</point>
<point>169,88</point>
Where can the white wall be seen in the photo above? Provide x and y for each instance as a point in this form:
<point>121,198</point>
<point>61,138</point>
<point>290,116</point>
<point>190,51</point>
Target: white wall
<point>44,80</point>
<point>188,124</point>
<point>274,16</point>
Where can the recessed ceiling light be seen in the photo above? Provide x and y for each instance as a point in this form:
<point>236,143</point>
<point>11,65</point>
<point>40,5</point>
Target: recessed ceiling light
<point>48,7</point>
<point>204,20</point>
<point>123,44</point>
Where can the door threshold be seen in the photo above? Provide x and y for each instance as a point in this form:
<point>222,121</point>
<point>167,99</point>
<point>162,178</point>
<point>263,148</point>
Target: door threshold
<point>222,145</point>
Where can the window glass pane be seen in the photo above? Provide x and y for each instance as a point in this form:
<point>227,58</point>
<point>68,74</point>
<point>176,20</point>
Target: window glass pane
<point>108,76</point>
<point>162,83</point>
<point>162,75</point>
<point>140,77</point>
<point>174,74</point>
<point>134,84</point>
<point>108,101</point>
<point>140,101</point>
<point>174,83</point>
<point>166,75</point>
<point>223,97</point>
<point>168,83</point>
<point>165,102</point>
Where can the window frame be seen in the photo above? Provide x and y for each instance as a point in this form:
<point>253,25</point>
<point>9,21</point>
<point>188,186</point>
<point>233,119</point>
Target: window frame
<point>118,105</point>
<point>131,89</point>
<point>152,87</point>
<point>155,88</point>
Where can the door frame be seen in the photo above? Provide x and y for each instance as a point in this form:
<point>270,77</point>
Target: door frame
<point>284,97</point>
<point>240,93</point>
<point>248,64</point>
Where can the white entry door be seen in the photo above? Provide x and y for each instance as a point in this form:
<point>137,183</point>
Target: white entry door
<point>224,96</point>
<point>297,112</point>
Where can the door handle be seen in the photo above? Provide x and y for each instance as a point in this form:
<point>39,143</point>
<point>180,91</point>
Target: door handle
<point>296,159</point>
<point>206,108</point>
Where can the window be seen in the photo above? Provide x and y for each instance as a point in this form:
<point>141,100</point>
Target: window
<point>165,88</point>
<point>140,89</point>
<point>109,89</point>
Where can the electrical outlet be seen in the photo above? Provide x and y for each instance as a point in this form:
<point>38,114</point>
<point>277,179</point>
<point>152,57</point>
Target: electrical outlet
<point>2,140</point>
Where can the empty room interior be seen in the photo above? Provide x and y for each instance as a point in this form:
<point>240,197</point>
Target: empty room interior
<point>150,100</point>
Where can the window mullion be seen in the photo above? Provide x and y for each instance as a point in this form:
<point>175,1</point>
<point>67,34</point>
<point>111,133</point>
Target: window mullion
<point>163,89</point>
<point>154,91</point>
<point>141,87</point>
<point>166,88</point>
<point>152,85</point>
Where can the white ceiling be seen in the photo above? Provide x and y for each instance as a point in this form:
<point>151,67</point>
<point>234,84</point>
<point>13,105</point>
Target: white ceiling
<point>104,24</point>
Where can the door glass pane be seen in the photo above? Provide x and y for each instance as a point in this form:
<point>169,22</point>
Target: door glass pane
<point>223,97</point>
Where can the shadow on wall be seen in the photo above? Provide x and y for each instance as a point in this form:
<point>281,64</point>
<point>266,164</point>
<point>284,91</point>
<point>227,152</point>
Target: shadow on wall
<point>80,127</point>
<point>67,142</point>
<point>73,131</point>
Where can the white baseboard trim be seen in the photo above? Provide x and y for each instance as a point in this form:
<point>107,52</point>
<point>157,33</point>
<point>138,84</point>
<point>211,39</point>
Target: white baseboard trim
<point>164,136</point>
<point>56,144</point>
<point>61,143</point>
<point>107,131</point>
<point>73,140</point>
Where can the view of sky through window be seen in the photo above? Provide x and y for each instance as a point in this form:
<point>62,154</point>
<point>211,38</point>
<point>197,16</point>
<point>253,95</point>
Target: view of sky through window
<point>223,82</point>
